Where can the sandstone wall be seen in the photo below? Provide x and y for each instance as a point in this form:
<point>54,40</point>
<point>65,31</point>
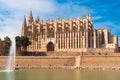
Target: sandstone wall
<point>101,50</point>
<point>3,62</point>
<point>32,61</point>
<point>82,61</point>
<point>100,61</point>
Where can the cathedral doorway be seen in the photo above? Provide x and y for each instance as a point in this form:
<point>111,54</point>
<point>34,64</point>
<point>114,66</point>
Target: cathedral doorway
<point>50,46</point>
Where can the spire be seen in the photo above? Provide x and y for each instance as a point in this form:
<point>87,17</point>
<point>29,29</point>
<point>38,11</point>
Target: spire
<point>89,17</point>
<point>24,21</point>
<point>37,19</point>
<point>24,26</point>
<point>31,13</point>
<point>30,18</point>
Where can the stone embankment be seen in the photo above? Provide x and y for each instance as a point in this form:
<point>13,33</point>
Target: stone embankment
<point>83,62</point>
<point>41,62</point>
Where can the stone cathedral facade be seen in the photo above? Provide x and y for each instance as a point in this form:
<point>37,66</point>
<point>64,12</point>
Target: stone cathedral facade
<point>76,34</point>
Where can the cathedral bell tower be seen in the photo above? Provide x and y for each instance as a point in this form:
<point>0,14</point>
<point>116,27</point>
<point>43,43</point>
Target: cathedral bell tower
<point>24,27</point>
<point>30,18</point>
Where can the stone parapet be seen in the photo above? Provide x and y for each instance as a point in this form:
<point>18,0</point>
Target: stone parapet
<point>82,61</point>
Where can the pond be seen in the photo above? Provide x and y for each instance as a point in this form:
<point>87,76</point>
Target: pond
<point>59,74</point>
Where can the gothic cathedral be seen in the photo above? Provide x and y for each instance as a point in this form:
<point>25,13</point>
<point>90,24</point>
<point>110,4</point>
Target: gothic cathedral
<point>75,35</point>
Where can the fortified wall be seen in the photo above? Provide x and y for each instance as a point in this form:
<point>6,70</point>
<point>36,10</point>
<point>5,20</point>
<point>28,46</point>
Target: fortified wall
<point>37,62</point>
<point>100,61</point>
<point>84,61</point>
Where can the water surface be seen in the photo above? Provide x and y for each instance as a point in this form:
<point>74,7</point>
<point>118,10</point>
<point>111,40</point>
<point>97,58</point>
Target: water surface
<point>60,74</point>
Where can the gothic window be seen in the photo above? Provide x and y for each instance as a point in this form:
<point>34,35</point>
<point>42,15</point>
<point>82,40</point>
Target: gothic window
<point>66,31</point>
<point>42,33</point>
<point>96,34</point>
<point>82,33</point>
<point>85,24</point>
<point>92,40</point>
<point>89,38</point>
<point>29,33</point>
<point>59,44</point>
<point>103,38</point>
<point>92,35</point>
<point>77,43</point>
<point>50,33</point>
<point>59,35</point>
<point>109,40</point>
<point>74,43</point>
<point>74,33</point>
<point>69,40</point>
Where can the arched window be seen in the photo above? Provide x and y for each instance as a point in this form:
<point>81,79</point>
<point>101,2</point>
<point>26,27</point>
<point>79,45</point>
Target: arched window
<point>103,38</point>
<point>50,33</point>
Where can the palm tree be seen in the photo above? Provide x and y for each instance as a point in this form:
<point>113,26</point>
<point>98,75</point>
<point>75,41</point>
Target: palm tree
<point>34,38</point>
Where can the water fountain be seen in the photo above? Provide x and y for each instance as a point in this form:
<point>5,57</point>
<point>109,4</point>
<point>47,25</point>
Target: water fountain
<point>9,74</point>
<point>11,58</point>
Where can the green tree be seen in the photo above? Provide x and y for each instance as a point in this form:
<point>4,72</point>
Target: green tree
<point>1,47</point>
<point>25,42</point>
<point>18,41</point>
<point>7,42</point>
<point>21,43</point>
<point>18,44</point>
<point>5,46</point>
<point>34,38</point>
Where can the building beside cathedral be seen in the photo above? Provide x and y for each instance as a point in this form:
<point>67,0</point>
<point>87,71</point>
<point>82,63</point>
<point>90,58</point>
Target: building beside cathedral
<point>75,35</point>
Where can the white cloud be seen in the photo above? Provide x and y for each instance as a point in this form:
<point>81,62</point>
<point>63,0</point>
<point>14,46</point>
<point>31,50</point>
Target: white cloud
<point>11,25</point>
<point>37,5</point>
<point>100,25</point>
<point>96,17</point>
<point>72,9</point>
<point>108,25</point>
<point>10,28</point>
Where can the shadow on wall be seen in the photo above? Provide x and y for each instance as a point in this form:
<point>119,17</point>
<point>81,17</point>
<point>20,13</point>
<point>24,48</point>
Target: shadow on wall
<point>33,54</point>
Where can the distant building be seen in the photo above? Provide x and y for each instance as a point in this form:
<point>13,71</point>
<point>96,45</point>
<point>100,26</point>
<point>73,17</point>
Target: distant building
<point>77,35</point>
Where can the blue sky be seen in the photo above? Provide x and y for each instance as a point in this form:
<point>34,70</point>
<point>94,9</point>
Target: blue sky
<point>105,13</point>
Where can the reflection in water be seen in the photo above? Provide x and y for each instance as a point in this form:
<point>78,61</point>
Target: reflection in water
<point>99,75</point>
<point>9,76</point>
<point>60,74</point>
<point>77,75</point>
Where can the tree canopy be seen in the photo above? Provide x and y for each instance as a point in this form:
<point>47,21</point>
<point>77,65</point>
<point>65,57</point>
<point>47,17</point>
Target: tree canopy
<point>5,46</point>
<point>21,43</point>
